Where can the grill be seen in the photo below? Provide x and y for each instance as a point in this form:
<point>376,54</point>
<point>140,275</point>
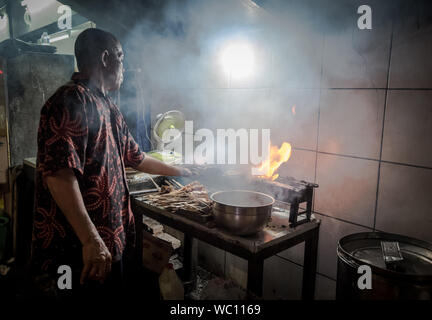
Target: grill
<point>292,196</point>
<point>297,193</point>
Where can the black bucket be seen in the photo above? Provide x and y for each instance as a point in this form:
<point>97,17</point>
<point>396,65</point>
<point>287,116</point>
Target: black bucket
<point>407,277</point>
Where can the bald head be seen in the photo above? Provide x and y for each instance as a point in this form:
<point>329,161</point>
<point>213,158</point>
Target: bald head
<point>90,45</point>
<point>100,56</point>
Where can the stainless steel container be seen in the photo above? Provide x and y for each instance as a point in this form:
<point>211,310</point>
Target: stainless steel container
<point>409,278</point>
<point>241,212</point>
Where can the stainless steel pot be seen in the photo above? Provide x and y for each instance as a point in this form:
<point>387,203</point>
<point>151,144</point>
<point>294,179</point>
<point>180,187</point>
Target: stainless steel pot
<point>408,279</point>
<point>242,212</point>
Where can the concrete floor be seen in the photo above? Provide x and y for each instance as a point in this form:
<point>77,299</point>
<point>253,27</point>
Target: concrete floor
<point>211,287</point>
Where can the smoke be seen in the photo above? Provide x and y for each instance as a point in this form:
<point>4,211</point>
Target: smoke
<point>179,63</point>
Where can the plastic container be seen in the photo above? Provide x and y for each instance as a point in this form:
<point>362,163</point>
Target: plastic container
<point>171,287</point>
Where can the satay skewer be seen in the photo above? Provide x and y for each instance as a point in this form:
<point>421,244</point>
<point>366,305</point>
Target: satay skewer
<point>177,183</point>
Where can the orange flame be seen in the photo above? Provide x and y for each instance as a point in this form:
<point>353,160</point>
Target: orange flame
<point>276,158</point>
<point>293,110</point>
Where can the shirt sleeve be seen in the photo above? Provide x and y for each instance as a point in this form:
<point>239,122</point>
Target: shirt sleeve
<point>133,155</point>
<point>63,133</point>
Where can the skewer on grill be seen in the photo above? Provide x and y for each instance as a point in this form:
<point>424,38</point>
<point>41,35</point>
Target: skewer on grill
<point>177,183</point>
<point>191,193</point>
<point>187,197</point>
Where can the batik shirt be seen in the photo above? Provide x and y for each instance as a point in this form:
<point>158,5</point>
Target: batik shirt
<point>82,129</point>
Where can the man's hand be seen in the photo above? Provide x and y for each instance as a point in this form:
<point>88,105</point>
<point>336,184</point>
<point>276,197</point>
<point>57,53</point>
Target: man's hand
<point>154,166</point>
<point>66,192</point>
<point>185,172</point>
<point>97,260</point>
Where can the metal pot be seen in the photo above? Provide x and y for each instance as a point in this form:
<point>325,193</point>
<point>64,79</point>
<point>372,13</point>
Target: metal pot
<point>410,278</point>
<point>242,212</point>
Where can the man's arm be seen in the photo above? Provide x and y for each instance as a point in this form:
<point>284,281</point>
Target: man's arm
<point>65,190</point>
<point>154,166</point>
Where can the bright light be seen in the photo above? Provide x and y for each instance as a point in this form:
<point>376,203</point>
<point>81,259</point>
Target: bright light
<point>238,60</point>
<point>59,37</point>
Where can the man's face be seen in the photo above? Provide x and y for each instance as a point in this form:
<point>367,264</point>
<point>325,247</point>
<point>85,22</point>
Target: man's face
<point>114,68</point>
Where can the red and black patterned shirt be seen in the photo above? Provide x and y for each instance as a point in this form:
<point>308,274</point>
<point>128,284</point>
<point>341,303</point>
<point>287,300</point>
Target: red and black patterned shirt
<point>82,129</point>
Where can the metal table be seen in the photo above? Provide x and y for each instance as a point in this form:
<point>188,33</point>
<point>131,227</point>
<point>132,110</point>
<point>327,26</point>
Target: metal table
<point>254,249</point>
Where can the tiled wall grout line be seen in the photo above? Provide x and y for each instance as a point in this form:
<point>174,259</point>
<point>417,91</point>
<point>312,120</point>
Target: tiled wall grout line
<point>300,265</point>
<point>346,156</point>
<point>406,164</point>
<point>319,114</point>
<point>342,220</point>
<point>383,127</point>
<point>389,89</point>
<point>409,89</point>
<point>364,158</point>
<point>318,122</point>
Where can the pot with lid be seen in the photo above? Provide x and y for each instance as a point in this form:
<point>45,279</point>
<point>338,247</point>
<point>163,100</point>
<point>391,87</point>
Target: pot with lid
<point>400,267</point>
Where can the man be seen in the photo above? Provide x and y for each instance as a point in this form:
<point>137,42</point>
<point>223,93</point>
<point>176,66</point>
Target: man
<point>83,217</point>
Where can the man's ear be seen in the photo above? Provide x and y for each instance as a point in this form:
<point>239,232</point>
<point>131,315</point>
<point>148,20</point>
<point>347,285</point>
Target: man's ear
<point>104,58</point>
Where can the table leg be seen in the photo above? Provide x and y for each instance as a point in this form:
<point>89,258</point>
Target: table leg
<point>255,276</point>
<point>190,250</point>
<point>309,266</point>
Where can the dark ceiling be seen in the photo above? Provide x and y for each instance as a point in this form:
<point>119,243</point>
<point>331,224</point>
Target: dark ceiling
<point>120,16</point>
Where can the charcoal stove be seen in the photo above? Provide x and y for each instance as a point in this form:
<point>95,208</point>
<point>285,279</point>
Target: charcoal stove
<point>297,193</point>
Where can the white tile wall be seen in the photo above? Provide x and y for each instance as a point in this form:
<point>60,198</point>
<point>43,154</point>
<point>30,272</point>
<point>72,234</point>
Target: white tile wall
<point>301,165</point>
<point>211,258</point>
<point>331,231</point>
<point>355,58</point>
<point>282,279</point>
<point>325,288</point>
<point>405,202</point>
<point>297,62</point>
<point>351,122</point>
<point>296,118</point>
<point>236,269</point>
<point>347,188</point>
<point>294,254</point>
<point>411,65</point>
<point>408,128</point>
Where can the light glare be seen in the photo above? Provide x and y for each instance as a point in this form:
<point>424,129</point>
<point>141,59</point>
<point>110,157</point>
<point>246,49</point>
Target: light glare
<point>238,60</point>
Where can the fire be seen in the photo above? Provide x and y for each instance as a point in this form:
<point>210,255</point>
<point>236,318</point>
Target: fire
<point>276,158</point>
<point>293,110</point>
